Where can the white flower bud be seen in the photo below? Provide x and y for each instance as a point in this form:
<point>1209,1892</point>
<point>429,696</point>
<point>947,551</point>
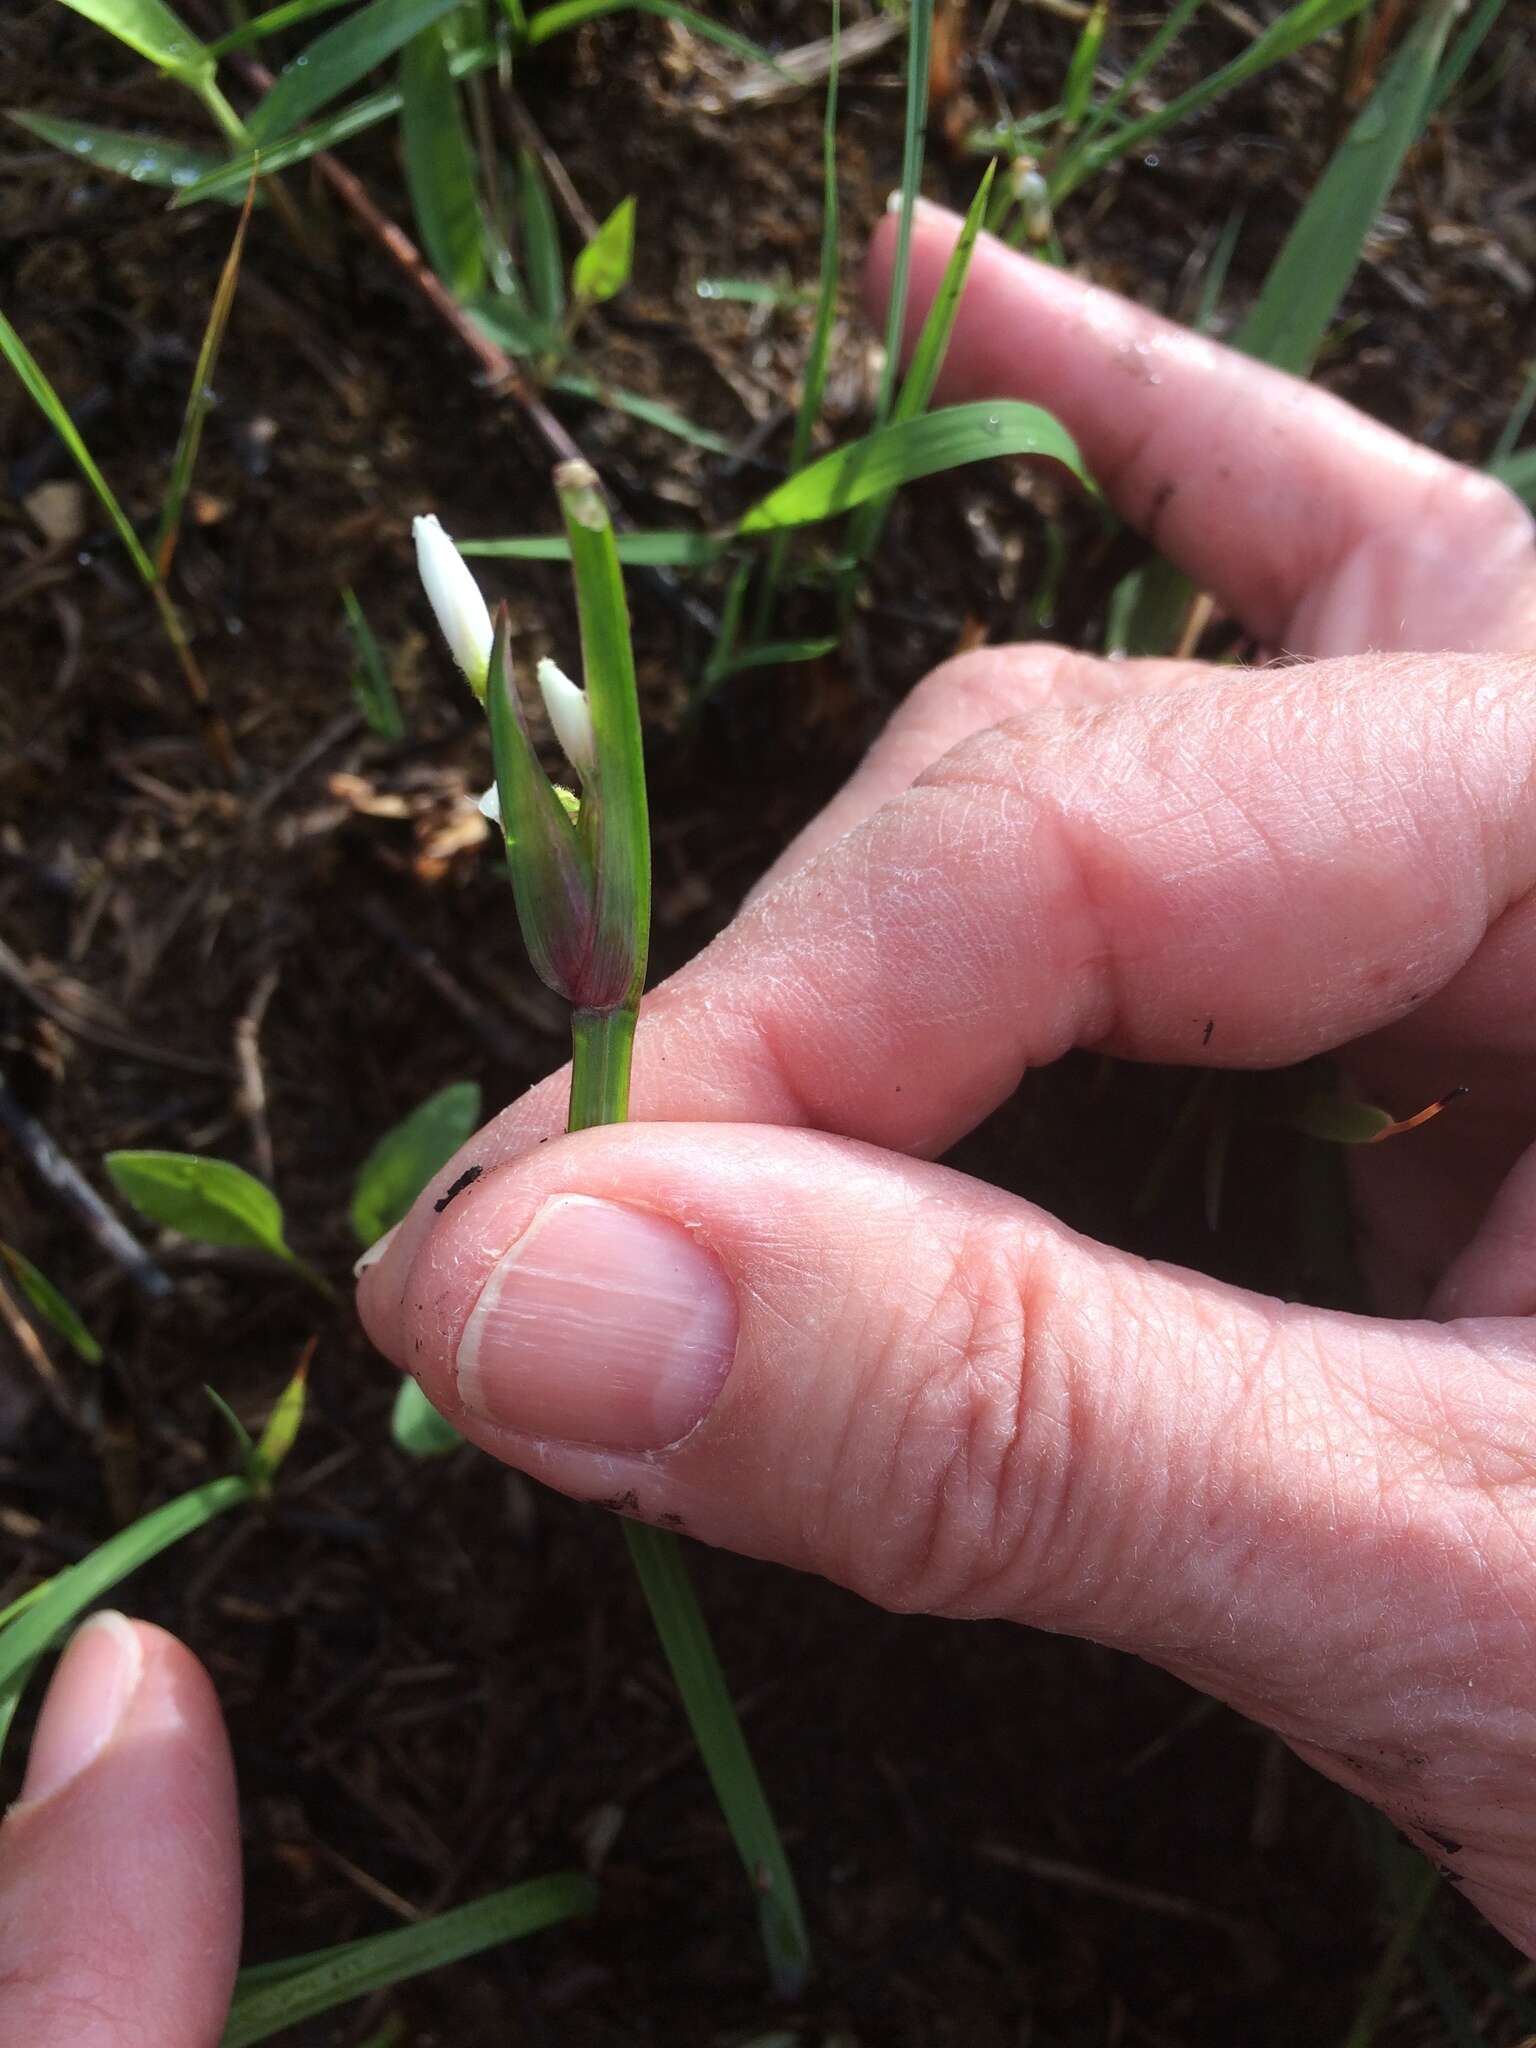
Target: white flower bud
<point>571,717</point>
<point>455,599</point>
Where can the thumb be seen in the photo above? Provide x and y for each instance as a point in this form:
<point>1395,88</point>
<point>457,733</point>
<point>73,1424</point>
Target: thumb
<point>809,1350</point>
<point>120,1863</point>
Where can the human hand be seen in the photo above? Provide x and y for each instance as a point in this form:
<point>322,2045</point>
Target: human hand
<point>120,1862</point>
<point>763,1317</point>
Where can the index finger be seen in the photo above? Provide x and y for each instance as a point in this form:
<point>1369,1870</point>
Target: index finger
<point>1323,531</point>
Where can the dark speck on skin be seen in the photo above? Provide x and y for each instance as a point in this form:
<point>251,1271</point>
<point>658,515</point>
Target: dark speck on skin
<point>1210,1026</point>
<point>466,1179</point>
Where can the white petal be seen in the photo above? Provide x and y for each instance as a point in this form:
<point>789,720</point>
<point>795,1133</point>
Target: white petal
<point>570,715</point>
<point>489,805</point>
<point>455,599</point>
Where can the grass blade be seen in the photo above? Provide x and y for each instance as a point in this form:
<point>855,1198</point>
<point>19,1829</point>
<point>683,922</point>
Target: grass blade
<point>143,159</point>
<point>150,28</point>
<point>56,1310</point>
<point>440,166</point>
<point>542,259</point>
<point>371,682</point>
<point>813,388</point>
<point>70,1593</point>
<point>200,397</point>
<point>899,454</point>
<point>1461,2029</point>
<point>636,550</point>
<point>1464,49</point>
<point>1311,274</point>
<point>1298,26</point>
<point>271,23</point>
<point>318,1983</point>
<point>336,60</point>
<point>706,1697</point>
<point>1078,90</point>
<point>651,410</point>
<point>1151,52</point>
<point>1419,1890</point>
<point>48,402</point>
<point>568,14</point>
<point>1515,425</point>
<point>923,371</point>
<point>919,43</point>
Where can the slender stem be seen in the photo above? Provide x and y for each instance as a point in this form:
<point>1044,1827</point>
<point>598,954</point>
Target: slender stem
<point>601,1045</point>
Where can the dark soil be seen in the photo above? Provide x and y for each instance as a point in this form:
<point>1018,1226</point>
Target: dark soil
<point>440,1679</point>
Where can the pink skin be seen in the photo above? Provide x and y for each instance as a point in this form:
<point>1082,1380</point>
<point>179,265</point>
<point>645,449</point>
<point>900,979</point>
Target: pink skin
<point>120,1864</point>
<point>931,1391</point>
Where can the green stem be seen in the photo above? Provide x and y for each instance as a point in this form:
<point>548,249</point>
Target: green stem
<point>601,1046</point>
<point>1419,1897</point>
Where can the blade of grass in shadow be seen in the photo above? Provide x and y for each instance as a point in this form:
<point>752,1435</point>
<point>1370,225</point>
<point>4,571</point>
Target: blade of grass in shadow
<point>142,159</point>
<point>1418,1895</point>
<point>200,397</point>
<point>543,262</point>
<point>374,689</point>
<point>1308,279</point>
<point>814,385</point>
<point>336,60</point>
<point>1468,41</point>
<point>1298,26</point>
<point>278,1996</point>
<point>1515,425</point>
<point>152,30</point>
<point>439,164</point>
<point>919,46</point>
<point>892,456</point>
<point>1097,115</point>
<point>271,23</point>
<point>638,407</point>
<point>922,375</point>
<point>1461,2029</point>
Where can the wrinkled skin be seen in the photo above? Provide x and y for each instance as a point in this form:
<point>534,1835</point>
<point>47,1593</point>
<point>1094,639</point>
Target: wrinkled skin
<point>941,1397</point>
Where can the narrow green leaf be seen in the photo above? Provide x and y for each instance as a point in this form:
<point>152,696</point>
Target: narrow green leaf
<point>919,41</point>
<point>1150,54</point>
<point>1469,40</point>
<point>1310,275</point>
<point>51,1305</point>
<point>617,820</point>
<point>71,1592</point>
<point>651,410</point>
<point>773,654</point>
<point>208,1200</point>
<point>417,1428</point>
<point>685,1637</point>
<point>517,329</point>
<point>1288,33</point>
<point>1515,425</point>
<point>200,397</point>
<point>720,655</point>
<point>1461,2028</point>
<point>569,14</point>
<point>407,1156</point>
<point>336,1976</point>
<point>1519,472</point>
<point>282,1430</point>
<point>289,15</point>
<point>603,267</point>
<point>439,165</point>
<point>637,550</point>
<point>927,360</point>
<point>891,456</point>
<point>542,258</point>
<point>1078,89</point>
<point>245,1448</point>
<point>335,60</point>
<point>144,159</point>
<point>150,28</point>
<point>48,402</point>
<point>371,682</point>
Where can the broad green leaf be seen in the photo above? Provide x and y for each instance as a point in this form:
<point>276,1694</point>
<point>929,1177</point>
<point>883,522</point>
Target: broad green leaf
<point>145,159</point>
<point>1310,275</point>
<point>417,1428</point>
<point>150,27</point>
<point>336,60</point>
<point>542,258</point>
<point>636,550</point>
<point>569,14</point>
<point>71,1592</point>
<point>651,410</point>
<point>48,402</point>
<point>371,682</point>
<point>439,165</point>
<point>602,269</point>
<point>281,1432</point>
<point>200,397</point>
<point>284,1995</point>
<point>208,1200</point>
<point>406,1157</point>
<point>52,1306</point>
<point>899,454</point>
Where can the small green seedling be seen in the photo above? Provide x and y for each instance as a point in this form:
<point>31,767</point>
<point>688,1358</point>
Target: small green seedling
<point>48,1303</point>
<point>210,1201</point>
